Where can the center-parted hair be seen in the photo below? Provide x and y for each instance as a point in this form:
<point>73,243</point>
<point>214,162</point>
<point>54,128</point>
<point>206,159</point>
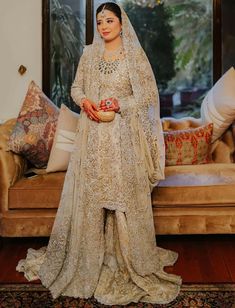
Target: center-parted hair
<point>111,6</point>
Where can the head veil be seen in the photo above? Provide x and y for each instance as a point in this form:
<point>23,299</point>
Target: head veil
<point>145,93</point>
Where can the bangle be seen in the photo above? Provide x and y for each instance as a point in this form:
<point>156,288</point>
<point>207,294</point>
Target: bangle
<point>82,102</point>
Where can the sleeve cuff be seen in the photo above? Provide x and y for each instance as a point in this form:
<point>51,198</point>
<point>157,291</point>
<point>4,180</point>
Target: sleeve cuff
<point>81,102</point>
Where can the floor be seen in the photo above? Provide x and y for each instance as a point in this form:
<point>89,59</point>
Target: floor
<point>202,258</point>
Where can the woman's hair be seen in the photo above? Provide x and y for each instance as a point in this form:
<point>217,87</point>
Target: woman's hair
<point>111,6</point>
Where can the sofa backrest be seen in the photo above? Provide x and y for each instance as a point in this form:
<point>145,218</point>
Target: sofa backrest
<point>222,150</point>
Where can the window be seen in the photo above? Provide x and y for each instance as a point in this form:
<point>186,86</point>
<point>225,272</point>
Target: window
<point>228,34</point>
<point>180,38</point>
<point>177,37</point>
<point>65,44</point>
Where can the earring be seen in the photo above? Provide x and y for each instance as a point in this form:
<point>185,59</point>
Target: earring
<point>120,33</point>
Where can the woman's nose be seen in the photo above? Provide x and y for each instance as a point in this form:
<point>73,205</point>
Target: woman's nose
<point>104,26</point>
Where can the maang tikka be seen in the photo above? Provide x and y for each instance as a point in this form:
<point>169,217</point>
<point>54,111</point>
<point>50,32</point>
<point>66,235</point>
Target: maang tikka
<point>102,12</point>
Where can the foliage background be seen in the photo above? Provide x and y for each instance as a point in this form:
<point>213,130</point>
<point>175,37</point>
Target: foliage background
<point>152,25</point>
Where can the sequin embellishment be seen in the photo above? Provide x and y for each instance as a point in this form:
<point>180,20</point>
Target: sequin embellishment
<point>108,67</point>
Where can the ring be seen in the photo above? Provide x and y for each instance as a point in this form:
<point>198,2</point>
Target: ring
<point>108,103</point>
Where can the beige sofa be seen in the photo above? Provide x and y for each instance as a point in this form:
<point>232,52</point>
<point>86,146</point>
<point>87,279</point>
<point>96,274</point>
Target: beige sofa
<point>193,199</point>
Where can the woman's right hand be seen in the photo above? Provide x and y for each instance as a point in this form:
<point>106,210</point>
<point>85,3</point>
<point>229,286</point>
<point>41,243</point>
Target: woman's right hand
<point>90,108</point>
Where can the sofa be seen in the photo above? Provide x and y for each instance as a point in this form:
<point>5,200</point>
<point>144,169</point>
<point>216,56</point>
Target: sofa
<point>193,199</point>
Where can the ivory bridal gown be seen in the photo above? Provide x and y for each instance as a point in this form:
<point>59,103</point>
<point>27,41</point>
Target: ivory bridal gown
<point>103,238</point>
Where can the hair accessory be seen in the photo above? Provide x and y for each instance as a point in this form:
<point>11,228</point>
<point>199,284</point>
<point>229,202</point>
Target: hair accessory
<point>102,12</point>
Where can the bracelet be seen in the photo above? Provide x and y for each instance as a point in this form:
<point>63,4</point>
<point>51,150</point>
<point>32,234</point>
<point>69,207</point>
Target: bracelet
<point>82,102</point>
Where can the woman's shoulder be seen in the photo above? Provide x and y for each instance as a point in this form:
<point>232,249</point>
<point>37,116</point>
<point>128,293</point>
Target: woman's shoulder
<point>87,49</point>
<point>138,53</point>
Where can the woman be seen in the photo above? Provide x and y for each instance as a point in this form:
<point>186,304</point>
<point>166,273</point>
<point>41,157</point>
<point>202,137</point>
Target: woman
<point>103,238</point>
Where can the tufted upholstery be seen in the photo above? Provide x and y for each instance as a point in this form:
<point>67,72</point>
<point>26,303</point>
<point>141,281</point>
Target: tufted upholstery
<point>169,124</point>
<point>197,198</point>
<point>192,199</point>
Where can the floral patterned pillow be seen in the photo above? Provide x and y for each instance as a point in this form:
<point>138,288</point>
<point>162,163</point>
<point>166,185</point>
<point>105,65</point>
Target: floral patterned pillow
<point>188,147</point>
<point>35,127</point>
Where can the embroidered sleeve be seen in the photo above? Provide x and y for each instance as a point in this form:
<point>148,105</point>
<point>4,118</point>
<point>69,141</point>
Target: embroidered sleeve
<point>77,88</point>
<point>127,105</point>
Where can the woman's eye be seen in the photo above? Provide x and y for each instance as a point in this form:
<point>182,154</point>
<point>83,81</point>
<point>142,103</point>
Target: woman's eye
<point>109,21</point>
<point>98,23</point>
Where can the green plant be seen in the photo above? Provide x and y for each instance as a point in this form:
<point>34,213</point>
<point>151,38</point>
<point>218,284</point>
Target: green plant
<point>152,25</point>
<point>67,41</point>
<point>193,42</point>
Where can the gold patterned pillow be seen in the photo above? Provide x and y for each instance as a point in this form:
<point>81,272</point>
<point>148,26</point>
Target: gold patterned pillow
<point>188,147</point>
<point>35,127</point>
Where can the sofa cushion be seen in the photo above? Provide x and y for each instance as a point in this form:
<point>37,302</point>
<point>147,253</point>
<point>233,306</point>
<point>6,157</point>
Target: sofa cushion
<point>34,131</point>
<point>192,186</point>
<point>42,191</point>
<point>222,149</point>
<point>63,143</point>
<point>218,107</point>
<point>188,146</point>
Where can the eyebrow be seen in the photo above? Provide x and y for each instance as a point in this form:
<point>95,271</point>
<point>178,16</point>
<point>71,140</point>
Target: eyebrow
<point>108,18</point>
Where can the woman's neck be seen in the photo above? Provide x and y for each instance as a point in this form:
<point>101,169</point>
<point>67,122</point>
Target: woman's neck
<point>114,44</point>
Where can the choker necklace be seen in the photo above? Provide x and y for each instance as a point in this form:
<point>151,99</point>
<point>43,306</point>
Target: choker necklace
<point>112,55</point>
<point>108,67</point>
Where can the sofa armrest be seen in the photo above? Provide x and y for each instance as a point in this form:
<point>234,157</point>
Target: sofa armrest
<point>12,166</point>
<point>223,148</point>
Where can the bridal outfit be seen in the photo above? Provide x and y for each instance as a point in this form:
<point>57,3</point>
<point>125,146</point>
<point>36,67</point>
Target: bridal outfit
<point>103,241</point>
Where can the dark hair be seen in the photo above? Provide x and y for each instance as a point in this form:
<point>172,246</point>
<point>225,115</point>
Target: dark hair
<point>111,6</point>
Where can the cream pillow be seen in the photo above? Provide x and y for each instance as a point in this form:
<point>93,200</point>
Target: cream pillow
<point>64,140</point>
<point>218,107</point>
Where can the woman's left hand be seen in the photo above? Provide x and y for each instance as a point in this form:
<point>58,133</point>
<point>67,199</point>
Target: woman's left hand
<point>109,104</point>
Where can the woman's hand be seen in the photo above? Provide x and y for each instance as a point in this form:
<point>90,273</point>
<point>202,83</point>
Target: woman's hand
<point>109,104</point>
<point>90,108</point>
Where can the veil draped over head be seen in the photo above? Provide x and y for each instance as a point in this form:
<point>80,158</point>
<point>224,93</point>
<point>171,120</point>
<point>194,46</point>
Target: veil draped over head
<point>145,93</point>
<point>75,255</point>
<point>145,123</point>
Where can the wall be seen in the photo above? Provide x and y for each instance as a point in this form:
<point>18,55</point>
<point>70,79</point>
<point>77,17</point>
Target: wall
<point>21,43</point>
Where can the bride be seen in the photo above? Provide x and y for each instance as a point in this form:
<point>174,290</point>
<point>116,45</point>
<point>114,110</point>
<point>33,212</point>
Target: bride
<point>103,241</point>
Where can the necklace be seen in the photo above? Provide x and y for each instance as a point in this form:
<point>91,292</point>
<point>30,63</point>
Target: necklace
<point>108,67</point>
<point>111,59</point>
<point>111,55</point>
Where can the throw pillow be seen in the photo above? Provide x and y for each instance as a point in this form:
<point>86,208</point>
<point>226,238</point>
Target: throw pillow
<point>64,140</point>
<point>218,107</point>
<point>35,127</point>
<point>190,146</point>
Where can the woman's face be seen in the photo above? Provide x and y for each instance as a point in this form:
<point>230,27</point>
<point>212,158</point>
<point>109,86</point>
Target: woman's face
<point>108,25</point>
